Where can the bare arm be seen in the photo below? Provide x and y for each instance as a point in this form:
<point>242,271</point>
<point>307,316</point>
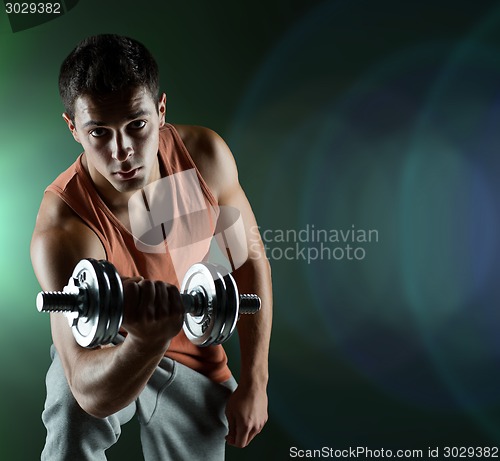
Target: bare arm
<point>103,380</point>
<point>247,408</point>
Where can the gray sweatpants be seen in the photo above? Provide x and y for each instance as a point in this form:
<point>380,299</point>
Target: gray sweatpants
<point>181,415</point>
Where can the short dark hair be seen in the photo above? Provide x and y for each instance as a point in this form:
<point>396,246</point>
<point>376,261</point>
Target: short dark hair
<point>106,63</point>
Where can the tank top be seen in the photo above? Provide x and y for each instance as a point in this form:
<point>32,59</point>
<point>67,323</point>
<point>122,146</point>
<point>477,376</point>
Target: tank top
<point>172,223</point>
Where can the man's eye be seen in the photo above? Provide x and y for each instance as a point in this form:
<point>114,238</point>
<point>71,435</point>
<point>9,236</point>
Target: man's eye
<point>98,132</point>
<point>138,124</point>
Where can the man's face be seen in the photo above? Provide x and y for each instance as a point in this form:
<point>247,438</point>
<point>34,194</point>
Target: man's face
<point>119,134</point>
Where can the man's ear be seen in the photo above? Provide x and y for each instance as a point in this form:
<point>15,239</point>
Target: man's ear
<point>71,126</point>
<point>162,108</point>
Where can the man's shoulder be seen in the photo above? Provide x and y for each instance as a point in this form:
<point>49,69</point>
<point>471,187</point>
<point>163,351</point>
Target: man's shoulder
<point>57,226</point>
<point>211,156</point>
<point>55,215</point>
<point>203,144</point>
<point>197,138</point>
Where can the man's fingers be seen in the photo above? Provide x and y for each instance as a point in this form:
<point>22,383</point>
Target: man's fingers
<point>135,279</point>
<point>240,435</point>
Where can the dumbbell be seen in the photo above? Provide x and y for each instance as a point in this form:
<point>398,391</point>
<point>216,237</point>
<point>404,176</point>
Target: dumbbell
<point>93,303</point>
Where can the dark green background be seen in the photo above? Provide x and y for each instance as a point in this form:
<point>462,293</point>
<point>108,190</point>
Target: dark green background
<point>374,114</point>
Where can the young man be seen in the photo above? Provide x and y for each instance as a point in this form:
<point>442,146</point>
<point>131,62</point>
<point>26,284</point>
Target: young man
<point>187,402</point>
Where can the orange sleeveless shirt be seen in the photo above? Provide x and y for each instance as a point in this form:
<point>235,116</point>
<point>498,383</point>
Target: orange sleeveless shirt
<point>180,208</point>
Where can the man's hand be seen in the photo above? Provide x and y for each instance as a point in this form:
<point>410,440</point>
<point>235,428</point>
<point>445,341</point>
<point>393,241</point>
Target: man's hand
<point>153,311</point>
<point>246,413</point>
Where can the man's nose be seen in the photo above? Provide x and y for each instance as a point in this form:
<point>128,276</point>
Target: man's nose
<point>122,148</point>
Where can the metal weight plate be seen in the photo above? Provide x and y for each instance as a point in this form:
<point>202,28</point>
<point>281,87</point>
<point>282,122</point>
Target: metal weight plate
<point>231,309</point>
<point>104,298</point>
<point>104,306</point>
<point>89,328</point>
<point>114,302</point>
<point>117,300</point>
<point>200,329</point>
<point>220,316</point>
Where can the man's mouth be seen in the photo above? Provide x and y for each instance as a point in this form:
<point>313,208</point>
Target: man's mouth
<point>129,174</point>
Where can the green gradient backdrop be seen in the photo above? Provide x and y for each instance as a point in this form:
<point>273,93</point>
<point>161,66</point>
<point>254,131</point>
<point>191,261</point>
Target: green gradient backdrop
<point>374,114</point>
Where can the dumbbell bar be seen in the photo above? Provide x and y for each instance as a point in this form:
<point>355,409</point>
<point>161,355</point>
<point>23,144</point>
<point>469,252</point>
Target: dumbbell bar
<point>93,303</point>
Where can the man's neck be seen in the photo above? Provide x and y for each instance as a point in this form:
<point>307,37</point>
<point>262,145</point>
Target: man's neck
<point>115,200</point>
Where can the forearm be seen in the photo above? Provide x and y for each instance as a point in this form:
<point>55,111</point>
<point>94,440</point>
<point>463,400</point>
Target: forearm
<point>246,409</point>
<point>106,380</point>
<point>254,331</point>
